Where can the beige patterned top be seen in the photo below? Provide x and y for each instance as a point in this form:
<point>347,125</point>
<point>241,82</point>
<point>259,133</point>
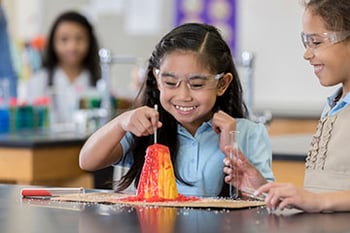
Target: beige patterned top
<point>328,159</point>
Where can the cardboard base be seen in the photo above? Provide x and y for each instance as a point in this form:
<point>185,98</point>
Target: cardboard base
<point>115,198</point>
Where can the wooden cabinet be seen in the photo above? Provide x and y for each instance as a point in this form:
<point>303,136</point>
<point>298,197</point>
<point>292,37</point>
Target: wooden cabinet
<point>286,126</point>
<point>42,160</point>
<point>289,172</point>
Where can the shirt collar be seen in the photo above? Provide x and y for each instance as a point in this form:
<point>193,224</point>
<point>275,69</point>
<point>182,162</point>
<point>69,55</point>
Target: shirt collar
<point>346,98</point>
<point>204,126</point>
<point>334,99</point>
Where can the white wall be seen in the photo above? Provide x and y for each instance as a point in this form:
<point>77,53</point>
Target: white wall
<point>283,82</point>
<point>24,17</point>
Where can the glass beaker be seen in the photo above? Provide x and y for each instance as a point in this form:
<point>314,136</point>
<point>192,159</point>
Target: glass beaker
<point>234,191</point>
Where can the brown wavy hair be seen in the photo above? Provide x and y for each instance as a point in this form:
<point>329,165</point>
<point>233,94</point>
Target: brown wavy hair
<point>335,13</point>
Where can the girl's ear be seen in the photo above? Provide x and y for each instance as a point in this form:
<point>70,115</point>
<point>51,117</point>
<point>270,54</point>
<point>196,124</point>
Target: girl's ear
<point>223,84</point>
<point>154,71</point>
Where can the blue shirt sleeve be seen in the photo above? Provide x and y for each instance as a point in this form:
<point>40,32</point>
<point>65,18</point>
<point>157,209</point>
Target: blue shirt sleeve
<point>255,144</point>
<point>126,144</point>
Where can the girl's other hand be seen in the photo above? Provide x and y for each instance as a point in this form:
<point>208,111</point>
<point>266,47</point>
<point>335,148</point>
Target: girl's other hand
<point>240,172</point>
<point>223,124</point>
<point>142,121</point>
<point>285,195</point>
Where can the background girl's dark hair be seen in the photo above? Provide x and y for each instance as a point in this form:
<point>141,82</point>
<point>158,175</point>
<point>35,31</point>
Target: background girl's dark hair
<point>213,53</point>
<point>90,62</point>
<point>336,14</point>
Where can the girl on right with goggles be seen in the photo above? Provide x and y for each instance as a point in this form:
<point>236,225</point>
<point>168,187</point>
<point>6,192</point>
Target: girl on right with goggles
<point>326,37</point>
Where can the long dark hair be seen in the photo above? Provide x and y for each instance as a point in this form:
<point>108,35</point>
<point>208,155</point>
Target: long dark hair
<point>91,60</point>
<point>214,53</point>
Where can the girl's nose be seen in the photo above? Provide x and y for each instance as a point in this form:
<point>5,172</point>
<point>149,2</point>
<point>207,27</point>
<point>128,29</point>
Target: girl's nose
<point>308,54</point>
<point>184,91</point>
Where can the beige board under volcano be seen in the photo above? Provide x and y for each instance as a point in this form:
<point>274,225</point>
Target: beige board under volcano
<point>117,198</point>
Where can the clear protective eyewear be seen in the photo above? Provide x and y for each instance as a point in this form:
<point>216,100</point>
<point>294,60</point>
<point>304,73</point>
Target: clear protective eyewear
<point>314,40</point>
<point>193,81</point>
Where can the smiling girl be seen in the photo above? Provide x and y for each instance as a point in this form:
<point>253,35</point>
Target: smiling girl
<point>326,37</point>
<point>192,78</point>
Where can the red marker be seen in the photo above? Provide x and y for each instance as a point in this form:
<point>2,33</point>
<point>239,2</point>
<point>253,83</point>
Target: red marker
<point>49,192</point>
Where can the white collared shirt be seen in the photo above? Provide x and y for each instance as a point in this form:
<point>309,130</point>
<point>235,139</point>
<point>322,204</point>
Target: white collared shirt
<point>64,94</point>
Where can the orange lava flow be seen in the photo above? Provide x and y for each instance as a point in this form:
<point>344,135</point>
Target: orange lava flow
<point>157,181</point>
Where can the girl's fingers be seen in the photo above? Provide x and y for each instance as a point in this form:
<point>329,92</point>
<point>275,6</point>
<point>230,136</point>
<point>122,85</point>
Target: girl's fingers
<point>285,203</point>
<point>145,126</point>
<point>228,179</point>
<point>227,162</point>
<point>144,121</point>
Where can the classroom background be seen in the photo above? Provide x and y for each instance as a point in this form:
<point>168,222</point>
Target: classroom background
<point>283,82</point>
<point>280,86</point>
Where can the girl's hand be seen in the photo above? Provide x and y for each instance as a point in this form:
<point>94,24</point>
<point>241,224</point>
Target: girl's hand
<point>223,124</point>
<point>240,172</point>
<point>142,121</point>
<point>280,195</point>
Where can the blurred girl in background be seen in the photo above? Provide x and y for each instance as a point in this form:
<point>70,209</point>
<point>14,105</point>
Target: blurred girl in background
<point>70,65</point>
